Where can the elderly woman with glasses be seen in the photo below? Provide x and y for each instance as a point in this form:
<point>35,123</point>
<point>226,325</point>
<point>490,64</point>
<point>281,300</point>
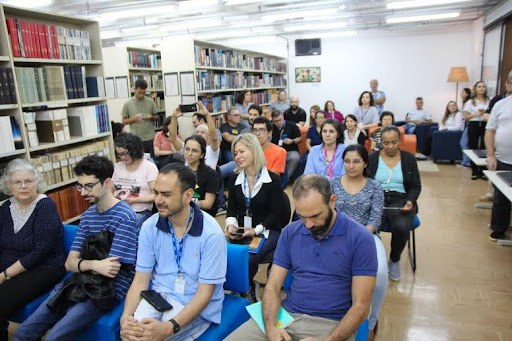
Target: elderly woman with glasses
<point>134,176</point>
<point>397,173</point>
<point>31,240</point>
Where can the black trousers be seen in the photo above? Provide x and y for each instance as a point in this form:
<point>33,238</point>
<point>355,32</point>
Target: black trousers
<point>148,148</point>
<point>23,288</point>
<point>500,216</point>
<point>476,132</point>
<point>399,223</point>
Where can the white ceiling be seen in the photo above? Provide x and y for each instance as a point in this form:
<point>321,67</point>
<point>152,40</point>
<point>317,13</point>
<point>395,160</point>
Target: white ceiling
<point>125,21</point>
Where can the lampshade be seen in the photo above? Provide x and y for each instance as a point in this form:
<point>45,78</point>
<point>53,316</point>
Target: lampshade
<point>458,74</point>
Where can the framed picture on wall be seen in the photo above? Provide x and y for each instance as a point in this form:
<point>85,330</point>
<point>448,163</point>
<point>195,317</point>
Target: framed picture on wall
<point>307,74</point>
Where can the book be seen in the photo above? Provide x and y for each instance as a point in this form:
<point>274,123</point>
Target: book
<point>284,319</point>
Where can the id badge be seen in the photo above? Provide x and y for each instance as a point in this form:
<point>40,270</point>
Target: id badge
<point>247,222</point>
<point>179,284</point>
<point>280,143</point>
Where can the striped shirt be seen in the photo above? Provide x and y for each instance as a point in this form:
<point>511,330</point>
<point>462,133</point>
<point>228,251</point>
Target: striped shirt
<point>121,220</point>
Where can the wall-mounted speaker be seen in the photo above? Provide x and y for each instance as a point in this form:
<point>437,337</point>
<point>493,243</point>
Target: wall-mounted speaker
<point>308,47</point>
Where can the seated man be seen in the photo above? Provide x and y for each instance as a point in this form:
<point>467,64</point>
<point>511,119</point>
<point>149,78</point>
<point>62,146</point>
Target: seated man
<point>295,113</point>
<point>202,118</point>
<point>333,263</point>
<point>182,255</point>
<point>95,185</point>
<point>415,117</point>
<point>286,134</point>
<point>253,112</point>
<point>231,129</point>
<point>275,155</point>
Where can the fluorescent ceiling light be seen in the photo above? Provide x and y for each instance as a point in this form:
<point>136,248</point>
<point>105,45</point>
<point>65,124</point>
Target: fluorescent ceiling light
<point>190,25</point>
<point>110,34</point>
<point>240,2</point>
<point>139,12</point>
<point>427,17</point>
<point>137,29</point>
<point>315,27</point>
<point>330,34</point>
<point>29,3</point>
<point>420,3</point>
<point>300,14</point>
<point>254,40</point>
<point>195,4</point>
<point>225,34</point>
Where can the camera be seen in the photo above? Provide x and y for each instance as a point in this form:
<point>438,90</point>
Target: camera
<point>188,108</point>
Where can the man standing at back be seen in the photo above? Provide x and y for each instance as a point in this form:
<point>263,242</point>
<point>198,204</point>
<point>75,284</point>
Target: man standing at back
<point>140,113</point>
<point>182,256</point>
<point>379,97</point>
<point>94,177</point>
<point>333,263</point>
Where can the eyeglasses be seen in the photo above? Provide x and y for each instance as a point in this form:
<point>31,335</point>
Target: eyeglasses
<point>355,162</point>
<point>123,154</point>
<point>21,183</point>
<point>258,131</point>
<point>192,150</point>
<point>88,187</point>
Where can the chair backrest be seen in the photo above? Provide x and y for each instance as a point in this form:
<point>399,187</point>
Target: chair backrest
<point>237,274</point>
<point>286,211</point>
<point>69,236</point>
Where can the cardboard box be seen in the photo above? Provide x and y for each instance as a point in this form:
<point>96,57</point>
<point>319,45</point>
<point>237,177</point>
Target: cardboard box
<point>50,131</point>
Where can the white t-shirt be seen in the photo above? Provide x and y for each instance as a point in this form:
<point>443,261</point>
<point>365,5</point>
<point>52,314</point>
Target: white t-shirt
<point>453,122</point>
<point>212,157</point>
<point>132,184</point>
<point>473,108</point>
<point>501,121</point>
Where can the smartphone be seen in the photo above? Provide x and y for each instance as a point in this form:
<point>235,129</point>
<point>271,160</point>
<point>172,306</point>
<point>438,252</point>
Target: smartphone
<point>188,107</point>
<point>156,300</point>
<point>239,232</point>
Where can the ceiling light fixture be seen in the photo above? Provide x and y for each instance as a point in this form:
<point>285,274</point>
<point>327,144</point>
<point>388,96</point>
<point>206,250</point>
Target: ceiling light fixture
<point>139,12</point>
<point>254,40</point>
<point>29,3</point>
<point>299,14</point>
<point>189,25</point>
<point>137,29</point>
<point>110,34</point>
<point>224,34</point>
<point>240,2</point>
<point>314,27</point>
<point>195,4</point>
<point>330,34</point>
<point>420,3</point>
<point>428,17</point>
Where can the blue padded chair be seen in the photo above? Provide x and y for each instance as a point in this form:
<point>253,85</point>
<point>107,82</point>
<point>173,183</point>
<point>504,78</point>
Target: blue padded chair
<point>106,328</point>
<point>26,311</point>
<point>446,145</point>
<point>412,240</point>
<point>234,313</point>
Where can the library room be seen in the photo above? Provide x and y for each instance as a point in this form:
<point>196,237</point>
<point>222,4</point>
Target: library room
<point>190,169</point>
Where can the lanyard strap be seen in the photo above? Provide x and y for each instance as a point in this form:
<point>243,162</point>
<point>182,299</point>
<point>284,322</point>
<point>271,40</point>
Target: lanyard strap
<point>248,191</point>
<point>177,245</point>
<point>330,164</point>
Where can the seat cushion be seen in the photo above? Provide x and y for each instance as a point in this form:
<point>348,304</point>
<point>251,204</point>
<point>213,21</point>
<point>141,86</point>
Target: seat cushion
<point>106,328</point>
<point>233,316</point>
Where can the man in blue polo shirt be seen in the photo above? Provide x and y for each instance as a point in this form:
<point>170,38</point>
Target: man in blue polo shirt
<point>333,263</point>
<point>182,256</point>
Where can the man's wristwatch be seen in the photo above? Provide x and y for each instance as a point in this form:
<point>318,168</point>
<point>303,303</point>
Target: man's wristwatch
<point>7,277</point>
<point>176,326</point>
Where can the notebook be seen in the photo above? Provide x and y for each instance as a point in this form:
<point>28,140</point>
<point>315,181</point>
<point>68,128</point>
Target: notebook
<point>506,177</point>
<point>284,319</point>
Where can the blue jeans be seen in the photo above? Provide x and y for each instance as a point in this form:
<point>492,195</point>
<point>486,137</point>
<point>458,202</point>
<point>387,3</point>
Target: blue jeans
<point>191,331</point>
<point>381,285</point>
<point>226,155</point>
<point>464,145</point>
<point>141,218</point>
<point>410,128</point>
<point>65,327</point>
<point>227,169</point>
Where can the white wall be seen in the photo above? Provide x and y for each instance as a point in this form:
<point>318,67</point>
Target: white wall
<point>406,66</point>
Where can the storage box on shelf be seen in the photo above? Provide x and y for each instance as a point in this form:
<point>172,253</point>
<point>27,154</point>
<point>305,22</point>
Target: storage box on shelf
<point>48,63</point>
<point>140,64</point>
<point>220,73</point>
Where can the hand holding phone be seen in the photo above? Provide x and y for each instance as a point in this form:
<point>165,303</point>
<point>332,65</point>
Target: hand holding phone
<point>156,300</point>
<point>188,107</point>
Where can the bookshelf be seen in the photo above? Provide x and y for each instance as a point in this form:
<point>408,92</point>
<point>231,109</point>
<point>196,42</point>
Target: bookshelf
<point>219,74</point>
<point>52,59</point>
<point>139,63</point>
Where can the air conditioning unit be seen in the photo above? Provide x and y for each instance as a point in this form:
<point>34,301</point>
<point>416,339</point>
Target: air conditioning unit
<point>308,47</point>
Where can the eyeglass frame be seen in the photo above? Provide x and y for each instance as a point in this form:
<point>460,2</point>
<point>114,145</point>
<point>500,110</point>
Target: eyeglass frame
<point>88,187</point>
<point>20,183</point>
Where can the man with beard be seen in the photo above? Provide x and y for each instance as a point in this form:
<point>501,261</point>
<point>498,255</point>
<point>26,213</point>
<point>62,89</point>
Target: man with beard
<point>295,113</point>
<point>182,256</point>
<point>333,263</point>
<point>94,177</point>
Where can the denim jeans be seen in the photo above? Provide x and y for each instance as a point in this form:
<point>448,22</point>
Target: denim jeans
<point>63,327</point>
<point>410,128</point>
<point>141,218</point>
<point>381,285</point>
<point>226,155</point>
<point>464,145</point>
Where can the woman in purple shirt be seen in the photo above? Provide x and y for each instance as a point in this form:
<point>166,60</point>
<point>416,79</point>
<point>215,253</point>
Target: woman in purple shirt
<point>330,112</point>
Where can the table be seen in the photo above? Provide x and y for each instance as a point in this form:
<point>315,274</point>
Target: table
<point>481,162</point>
<point>506,190</point>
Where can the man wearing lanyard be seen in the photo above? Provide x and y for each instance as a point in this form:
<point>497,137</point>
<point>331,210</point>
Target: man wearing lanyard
<point>182,255</point>
<point>287,135</point>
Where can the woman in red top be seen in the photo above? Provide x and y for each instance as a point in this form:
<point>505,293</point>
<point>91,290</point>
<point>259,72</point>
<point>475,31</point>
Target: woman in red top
<point>330,112</point>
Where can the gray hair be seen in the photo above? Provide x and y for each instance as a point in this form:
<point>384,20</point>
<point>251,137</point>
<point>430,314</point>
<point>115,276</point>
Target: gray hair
<point>18,165</point>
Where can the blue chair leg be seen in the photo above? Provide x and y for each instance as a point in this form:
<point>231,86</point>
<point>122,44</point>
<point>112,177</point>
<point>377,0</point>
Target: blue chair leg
<point>362,332</point>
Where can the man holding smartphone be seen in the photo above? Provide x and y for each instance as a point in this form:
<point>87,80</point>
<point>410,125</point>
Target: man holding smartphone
<point>140,113</point>
<point>182,256</point>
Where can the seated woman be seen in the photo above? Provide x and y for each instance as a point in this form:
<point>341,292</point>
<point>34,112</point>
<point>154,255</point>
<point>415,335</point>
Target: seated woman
<point>386,119</point>
<point>367,114</point>
<point>353,135</point>
<point>332,113</point>
<point>31,240</point>
<point>325,159</point>
<point>362,199</point>
<point>397,173</point>
<point>161,144</point>
<point>134,176</point>
<point>313,137</point>
<point>453,119</point>
<point>255,200</point>
<point>207,186</point>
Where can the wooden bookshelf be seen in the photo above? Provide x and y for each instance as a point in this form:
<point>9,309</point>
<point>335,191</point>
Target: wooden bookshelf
<point>218,82</point>
<point>41,47</point>
<point>139,63</point>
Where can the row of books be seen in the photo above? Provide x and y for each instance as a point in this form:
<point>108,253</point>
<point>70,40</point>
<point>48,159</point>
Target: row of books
<point>7,88</point>
<point>88,120</point>
<point>69,202</point>
<point>217,57</point>
<point>10,135</point>
<point>155,81</point>
<point>216,103</point>
<point>37,40</point>
<point>58,166</point>
<point>208,80</point>
<point>143,59</point>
